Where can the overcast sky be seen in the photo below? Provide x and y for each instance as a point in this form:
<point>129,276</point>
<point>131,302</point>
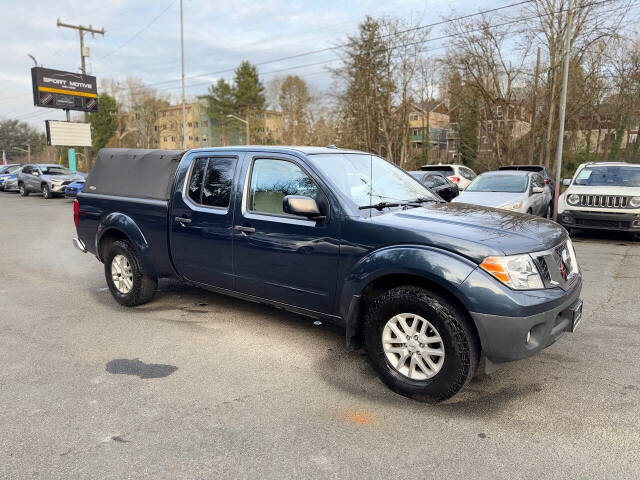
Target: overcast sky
<point>218,35</point>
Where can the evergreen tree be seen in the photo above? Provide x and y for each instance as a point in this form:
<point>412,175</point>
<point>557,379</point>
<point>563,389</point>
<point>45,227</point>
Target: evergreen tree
<point>103,122</point>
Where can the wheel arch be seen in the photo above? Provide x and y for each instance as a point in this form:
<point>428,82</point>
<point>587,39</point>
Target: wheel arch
<point>118,226</point>
<point>439,271</point>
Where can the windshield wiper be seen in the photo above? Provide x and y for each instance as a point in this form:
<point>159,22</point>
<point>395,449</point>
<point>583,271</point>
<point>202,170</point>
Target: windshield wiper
<point>381,205</point>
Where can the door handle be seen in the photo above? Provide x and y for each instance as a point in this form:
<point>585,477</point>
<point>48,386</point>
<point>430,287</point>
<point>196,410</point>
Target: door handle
<point>183,220</point>
<point>241,228</point>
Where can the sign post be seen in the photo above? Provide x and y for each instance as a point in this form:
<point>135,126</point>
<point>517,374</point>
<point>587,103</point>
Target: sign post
<point>72,159</point>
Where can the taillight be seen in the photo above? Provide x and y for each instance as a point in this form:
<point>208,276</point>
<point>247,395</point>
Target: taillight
<point>455,179</point>
<point>76,211</point>
<point>547,181</point>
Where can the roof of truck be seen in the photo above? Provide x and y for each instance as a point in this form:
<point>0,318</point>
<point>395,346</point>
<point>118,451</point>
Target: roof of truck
<point>281,148</point>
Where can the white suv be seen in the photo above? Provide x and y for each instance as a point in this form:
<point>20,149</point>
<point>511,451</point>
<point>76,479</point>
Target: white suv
<point>603,196</point>
<point>458,174</point>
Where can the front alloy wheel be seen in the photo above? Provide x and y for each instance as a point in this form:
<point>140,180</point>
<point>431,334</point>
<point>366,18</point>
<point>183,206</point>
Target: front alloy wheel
<point>413,346</point>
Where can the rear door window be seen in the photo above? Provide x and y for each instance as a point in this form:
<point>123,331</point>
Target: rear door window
<point>447,171</point>
<point>211,181</point>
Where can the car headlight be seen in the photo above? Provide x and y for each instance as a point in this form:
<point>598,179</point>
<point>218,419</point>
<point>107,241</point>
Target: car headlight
<point>515,271</point>
<point>573,199</point>
<point>634,202</point>
<point>511,206</point>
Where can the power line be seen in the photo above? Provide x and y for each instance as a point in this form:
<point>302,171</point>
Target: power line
<point>137,34</point>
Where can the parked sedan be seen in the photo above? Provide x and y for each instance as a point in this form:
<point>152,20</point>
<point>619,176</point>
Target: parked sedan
<point>74,188</point>
<point>518,191</point>
<point>437,183</point>
<point>10,183</point>
<point>48,179</point>
<point>5,172</point>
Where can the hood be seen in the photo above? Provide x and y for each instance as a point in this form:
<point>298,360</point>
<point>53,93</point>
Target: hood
<point>64,178</point>
<point>475,232</point>
<point>603,190</point>
<point>489,199</point>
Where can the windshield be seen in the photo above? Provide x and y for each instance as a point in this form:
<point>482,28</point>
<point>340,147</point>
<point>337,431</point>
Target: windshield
<point>367,179</point>
<point>499,183</point>
<point>614,176</point>
<point>9,168</point>
<point>55,170</point>
<point>440,169</point>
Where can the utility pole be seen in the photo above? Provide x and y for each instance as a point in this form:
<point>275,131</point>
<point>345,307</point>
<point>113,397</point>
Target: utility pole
<point>184,113</point>
<point>563,106</point>
<point>83,54</point>
<point>534,108</point>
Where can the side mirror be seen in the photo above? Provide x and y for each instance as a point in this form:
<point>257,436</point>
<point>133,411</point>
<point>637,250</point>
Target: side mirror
<point>302,206</point>
<point>566,182</point>
<point>538,190</point>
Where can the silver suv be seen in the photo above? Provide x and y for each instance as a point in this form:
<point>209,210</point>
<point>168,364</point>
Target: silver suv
<point>48,179</point>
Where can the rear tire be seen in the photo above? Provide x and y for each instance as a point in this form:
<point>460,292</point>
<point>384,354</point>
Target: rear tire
<point>134,287</point>
<point>46,191</point>
<point>23,190</point>
<point>457,349</point>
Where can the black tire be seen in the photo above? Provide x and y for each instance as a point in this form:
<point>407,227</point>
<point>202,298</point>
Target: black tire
<point>23,190</point>
<point>144,286</point>
<point>461,346</point>
<point>46,191</point>
<point>529,212</point>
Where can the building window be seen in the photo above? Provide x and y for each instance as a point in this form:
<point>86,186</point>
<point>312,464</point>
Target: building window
<point>195,124</point>
<point>190,138</point>
<point>205,123</point>
<point>155,128</point>
<point>499,111</point>
<point>164,114</point>
<point>189,124</point>
<point>173,139</point>
<point>416,132</point>
<point>165,139</point>
<point>197,139</point>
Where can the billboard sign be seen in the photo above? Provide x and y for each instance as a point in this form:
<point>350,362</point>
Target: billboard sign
<point>65,90</point>
<point>68,134</point>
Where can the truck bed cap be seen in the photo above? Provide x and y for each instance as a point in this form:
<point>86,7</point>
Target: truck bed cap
<point>134,173</point>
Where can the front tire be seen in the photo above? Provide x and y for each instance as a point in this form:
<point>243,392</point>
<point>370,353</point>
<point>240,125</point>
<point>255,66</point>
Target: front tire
<point>128,282</point>
<point>23,190</point>
<point>46,192</point>
<point>420,344</point>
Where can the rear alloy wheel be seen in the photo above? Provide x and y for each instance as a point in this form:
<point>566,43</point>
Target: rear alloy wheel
<point>23,190</point>
<point>420,344</point>
<point>129,284</point>
<point>46,192</point>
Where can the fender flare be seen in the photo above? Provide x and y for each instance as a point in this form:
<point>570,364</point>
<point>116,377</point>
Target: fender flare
<point>441,267</point>
<point>125,225</point>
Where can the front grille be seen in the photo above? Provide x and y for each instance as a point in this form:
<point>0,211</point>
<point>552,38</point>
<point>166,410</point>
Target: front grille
<point>66,182</point>
<point>554,270</point>
<point>604,201</point>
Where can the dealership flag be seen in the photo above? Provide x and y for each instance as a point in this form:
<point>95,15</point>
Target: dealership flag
<point>4,158</point>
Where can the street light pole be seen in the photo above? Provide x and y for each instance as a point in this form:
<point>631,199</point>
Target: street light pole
<point>563,106</point>
<point>246,124</point>
<point>184,113</point>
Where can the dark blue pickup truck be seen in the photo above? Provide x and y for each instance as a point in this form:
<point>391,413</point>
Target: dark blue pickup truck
<point>433,290</point>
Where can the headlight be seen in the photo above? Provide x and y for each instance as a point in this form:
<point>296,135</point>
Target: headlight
<point>635,202</point>
<point>512,206</point>
<point>573,199</point>
<point>515,271</point>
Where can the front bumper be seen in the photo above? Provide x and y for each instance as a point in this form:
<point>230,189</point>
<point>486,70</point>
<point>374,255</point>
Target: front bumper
<point>623,222</point>
<point>10,186</point>
<point>506,338</point>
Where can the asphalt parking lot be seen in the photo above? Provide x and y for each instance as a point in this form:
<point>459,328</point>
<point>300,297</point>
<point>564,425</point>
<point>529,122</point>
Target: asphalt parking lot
<point>195,385</point>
